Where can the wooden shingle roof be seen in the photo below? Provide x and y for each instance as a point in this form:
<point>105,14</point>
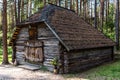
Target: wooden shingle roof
<point>73,32</point>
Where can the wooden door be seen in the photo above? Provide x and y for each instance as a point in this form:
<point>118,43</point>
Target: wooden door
<point>34,51</point>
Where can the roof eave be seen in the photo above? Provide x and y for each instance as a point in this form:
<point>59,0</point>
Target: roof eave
<point>91,48</point>
<point>29,23</point>
<point>57,36</point>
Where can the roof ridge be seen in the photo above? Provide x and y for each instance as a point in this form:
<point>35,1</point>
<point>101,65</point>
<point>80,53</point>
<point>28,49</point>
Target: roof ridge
<point>61,7</point>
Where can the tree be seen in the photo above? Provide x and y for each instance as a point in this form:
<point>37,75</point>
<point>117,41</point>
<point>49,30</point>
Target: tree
<point>19,6</point>
<point>95,12</point>
<point>85,8</point>
<point>81,7</point>
<point>4,25</point>
<point>101,14</point>
<point>15,9</point>
<point>77,11</point>
<point>22,10</point>
<point>44,2</point>
<point>107,10</point>
<point>117,24</point>
<point>71,4</point>
<point>66,4</point>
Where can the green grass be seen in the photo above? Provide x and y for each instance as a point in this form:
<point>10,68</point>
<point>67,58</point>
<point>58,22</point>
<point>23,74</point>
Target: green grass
<point>9,54</point>
<point>43,68</point>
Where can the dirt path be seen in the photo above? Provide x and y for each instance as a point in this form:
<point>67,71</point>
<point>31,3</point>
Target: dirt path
<point>9,72</point>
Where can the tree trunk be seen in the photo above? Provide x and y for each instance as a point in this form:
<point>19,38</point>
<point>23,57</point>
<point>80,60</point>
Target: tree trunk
<point>30,8</point>
<point>56,1</point>
<point>22,10</point>
<point>15,9</point>
<point>101,14</point>
<point>44,2</point>
<point>66,4</point>
<point>95,12</point>
<point>71,6</point>
<point>77,11</point>
<point>84,8</point>
<point>80,7</point>
<point>4,24</point>
<point>27,9</point>
<point>117,24</point>
<point>59,2</point>
<point>19,6</point>
<point>107,10</point>
<point>12,15</point>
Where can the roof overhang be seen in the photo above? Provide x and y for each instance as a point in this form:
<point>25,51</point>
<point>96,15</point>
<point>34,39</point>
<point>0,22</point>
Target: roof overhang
<point>29,23</point>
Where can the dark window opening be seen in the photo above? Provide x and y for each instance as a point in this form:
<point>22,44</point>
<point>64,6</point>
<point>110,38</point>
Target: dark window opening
<point>32,33</point>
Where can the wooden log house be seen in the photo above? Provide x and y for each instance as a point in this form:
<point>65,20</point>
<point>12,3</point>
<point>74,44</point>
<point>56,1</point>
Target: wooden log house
<point>59,32</point>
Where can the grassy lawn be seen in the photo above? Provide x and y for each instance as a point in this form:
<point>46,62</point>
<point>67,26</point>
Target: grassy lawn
<point>9,54</point>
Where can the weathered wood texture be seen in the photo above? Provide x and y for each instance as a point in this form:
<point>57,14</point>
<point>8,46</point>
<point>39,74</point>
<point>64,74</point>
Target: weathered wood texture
<point>20,45</point>
<point>51,46</point>
<point>79,60</point>
<point>34,51</point>
<point>72,61</point>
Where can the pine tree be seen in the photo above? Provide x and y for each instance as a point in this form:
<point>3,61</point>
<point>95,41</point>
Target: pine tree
<point>4,27</point>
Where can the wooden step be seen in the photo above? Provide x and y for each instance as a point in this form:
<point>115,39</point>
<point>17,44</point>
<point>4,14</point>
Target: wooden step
<point>30,67</point>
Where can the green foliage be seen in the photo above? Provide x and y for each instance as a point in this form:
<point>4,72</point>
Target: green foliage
<point>54,62</point>
<point>109,30</point>
<point>9,54</point>
<point>108,27</point>
<point>43,68</point>
<point>37,4</point>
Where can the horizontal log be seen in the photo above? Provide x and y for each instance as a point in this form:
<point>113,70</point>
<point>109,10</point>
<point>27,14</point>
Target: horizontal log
<point>20,42</point>
<point>87,66</point>
<point>44,38</point>
<point>20,50</point>
<point>22,39</point>
<point>49,56</point>
<point>80,60</point>
<point>89,53</point>
<point>51,42</point>
<point>89,62</point>
<point>51,49</point>
<point>52,54</point>
<point>20,47</point>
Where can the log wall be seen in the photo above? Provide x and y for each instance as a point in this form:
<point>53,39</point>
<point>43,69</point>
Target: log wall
<point>51,46</point>
<point>20,45</point>
<point>76,61</point>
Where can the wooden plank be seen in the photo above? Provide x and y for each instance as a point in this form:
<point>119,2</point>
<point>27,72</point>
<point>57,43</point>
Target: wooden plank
<point>29,67</point>
<point>44,38</point>
<point>20,47</point>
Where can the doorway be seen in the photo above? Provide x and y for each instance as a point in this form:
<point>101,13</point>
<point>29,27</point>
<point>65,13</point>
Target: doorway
<point>34,52</point>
